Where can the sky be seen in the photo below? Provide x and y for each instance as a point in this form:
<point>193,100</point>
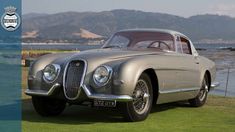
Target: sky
<point>184,8</point>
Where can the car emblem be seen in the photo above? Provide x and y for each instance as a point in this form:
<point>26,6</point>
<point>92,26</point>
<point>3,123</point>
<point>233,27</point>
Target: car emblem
<point>10,20</point>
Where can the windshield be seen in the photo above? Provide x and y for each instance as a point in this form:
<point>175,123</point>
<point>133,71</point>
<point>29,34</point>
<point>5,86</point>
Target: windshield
<point>141,41</point>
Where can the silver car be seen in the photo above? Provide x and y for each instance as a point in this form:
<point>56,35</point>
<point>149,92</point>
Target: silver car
<point>135,69</point>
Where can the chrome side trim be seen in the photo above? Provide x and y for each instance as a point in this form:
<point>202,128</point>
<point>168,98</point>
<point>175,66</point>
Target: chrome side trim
<point>82,80</point>
<point>120,98</point>
<point>214,85</point>
<point>42,92</point>
<point>178,90</point>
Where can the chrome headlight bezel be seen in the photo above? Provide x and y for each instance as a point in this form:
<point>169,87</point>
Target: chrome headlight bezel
<point>47,77</point>
<point>105,81</point>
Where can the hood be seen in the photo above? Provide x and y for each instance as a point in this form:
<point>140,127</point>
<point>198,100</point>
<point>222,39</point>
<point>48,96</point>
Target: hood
<point>111,57</point>
<point>111,54</point>
<point>98,57</point>
<point>94,58</point>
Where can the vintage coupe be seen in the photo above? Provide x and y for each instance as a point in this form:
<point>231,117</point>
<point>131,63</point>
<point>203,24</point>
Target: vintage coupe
<point>135,69</point>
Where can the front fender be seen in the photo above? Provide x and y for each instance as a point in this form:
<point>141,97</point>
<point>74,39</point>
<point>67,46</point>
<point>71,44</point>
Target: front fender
<point>128,74</point>
<point>35,80</point>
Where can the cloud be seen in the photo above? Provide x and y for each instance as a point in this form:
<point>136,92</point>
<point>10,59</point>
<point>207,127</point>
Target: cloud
<point>223,9</point>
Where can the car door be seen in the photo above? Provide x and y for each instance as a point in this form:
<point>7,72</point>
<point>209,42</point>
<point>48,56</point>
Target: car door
<point>182,77</point>
<point>189,67</point>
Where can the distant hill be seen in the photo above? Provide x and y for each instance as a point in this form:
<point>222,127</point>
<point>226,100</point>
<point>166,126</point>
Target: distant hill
<point>33,15</point>
<point>68,24</point>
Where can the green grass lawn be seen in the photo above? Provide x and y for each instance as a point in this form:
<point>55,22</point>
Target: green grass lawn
<point>216,116</point>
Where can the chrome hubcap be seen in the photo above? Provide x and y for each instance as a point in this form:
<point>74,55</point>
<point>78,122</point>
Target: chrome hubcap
<point>141,97</point>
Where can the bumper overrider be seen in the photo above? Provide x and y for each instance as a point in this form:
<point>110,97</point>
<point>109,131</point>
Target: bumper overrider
<point>119,98</point>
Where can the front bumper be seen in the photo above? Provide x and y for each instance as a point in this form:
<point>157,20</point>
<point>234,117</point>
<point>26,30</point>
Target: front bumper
<point>42,92</point>
<point>119,98</point>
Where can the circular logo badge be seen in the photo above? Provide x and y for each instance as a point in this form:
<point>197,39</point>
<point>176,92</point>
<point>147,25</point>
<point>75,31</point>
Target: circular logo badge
<point>10,20</point>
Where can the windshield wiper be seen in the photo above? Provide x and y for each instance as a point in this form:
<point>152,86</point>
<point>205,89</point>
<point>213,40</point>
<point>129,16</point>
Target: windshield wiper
<point>112,46</point>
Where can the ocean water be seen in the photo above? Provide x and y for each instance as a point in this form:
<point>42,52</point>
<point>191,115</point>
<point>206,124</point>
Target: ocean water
<point>225,88</point>
<point>222,76</point>
<point>214,46</point>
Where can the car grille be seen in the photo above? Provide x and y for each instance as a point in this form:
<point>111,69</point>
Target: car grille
<point>73,78</point>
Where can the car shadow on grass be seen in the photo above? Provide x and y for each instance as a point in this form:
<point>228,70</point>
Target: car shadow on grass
<point>167,106</point>
<point>86,115</point>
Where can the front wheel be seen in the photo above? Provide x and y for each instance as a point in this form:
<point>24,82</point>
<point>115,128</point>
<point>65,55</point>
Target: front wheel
<point>47,106</point>
<point>139,108</point>
<point>201,98</point>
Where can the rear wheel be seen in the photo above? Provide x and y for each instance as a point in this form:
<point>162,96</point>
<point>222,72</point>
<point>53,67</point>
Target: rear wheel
<point>47,106</point>
<point>201,98</point>
<point>139,108</point>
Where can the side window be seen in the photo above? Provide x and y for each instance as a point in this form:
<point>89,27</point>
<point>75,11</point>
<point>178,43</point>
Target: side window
<point>178,44</point>
<point>185,46</point>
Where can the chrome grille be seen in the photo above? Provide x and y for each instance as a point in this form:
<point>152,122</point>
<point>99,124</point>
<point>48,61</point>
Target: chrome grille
<point>74,73</point>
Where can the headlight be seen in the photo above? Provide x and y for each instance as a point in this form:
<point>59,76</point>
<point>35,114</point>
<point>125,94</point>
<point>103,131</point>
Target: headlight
<point>51,72</point>
<point>102,75</point>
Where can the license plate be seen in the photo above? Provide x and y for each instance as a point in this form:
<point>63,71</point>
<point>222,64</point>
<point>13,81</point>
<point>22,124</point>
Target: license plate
<point>104,103</point>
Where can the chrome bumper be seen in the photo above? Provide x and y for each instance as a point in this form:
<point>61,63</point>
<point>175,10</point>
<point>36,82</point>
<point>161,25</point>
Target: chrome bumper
<point>120,98</point>
<point>214,85</point>
<point>42,92</point>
